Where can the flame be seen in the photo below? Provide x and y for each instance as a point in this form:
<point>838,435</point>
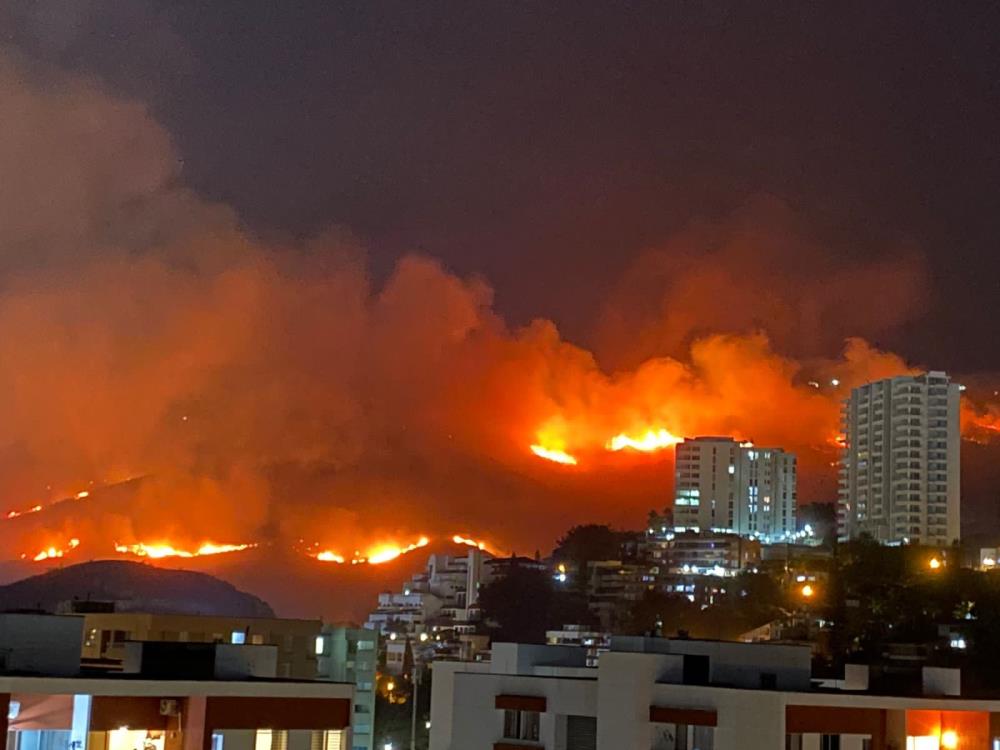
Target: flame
<point>16,513</point>
<point>457,539</point>
<point>158,551</point>
<point>375,555</point>
<point>328,556</point>
<point>82,494</point>
<point>649,441</point>
<point>386,552</point>
<point>553,454</point>
<point>54,552</point>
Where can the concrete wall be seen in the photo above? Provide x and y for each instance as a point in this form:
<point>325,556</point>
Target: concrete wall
<point>520,658</point>
<point>237,662</point>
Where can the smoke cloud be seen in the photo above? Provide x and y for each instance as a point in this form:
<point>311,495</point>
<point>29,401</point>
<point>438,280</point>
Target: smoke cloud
<point>280,394</point>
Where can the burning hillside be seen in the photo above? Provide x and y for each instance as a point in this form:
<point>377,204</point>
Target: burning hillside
<point>283,398</point>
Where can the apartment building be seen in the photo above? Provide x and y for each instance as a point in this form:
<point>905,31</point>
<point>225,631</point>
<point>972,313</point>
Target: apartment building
<point>349,654</point>
<point>106,633</point>
<point>174,696</point>
<point>900,467</point>
<point>670,694</point>
<point>723,485</point>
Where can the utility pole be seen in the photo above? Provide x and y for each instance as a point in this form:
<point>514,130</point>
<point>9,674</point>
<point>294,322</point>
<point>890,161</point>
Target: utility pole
<point>414,698</point>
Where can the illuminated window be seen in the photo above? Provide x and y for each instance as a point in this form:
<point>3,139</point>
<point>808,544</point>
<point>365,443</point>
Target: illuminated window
<point>238,637</point>
<point>320,645</point>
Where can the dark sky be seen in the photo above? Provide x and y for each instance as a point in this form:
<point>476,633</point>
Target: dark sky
<point>545,144</point>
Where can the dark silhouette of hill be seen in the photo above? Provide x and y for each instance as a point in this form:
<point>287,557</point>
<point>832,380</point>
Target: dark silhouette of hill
<point>134,587</point>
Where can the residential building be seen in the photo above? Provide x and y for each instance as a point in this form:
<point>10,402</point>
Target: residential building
<point>170,696</point>
<point>106,633</point>
<point>612,585</point>
<point>678,694</point>
<point>900,468</point>
<point>436,614</point>
<point>349,654</point>
<point>595,642</point>
<point>705,553</point>
<point>446,592</point>
<point>723,485</point>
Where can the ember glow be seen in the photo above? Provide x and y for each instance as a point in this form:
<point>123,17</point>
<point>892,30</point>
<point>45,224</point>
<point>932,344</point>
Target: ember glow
<point>159,551</point>
<point>17,513</point>
<point>647,442</point>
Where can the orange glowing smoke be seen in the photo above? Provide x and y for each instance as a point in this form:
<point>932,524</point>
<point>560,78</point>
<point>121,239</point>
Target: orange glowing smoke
<point>54,552</point>
<point>159,551</point>
<point>647,442</point>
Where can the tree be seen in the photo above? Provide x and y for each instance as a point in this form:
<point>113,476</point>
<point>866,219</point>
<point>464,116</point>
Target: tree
<point>587,543</point>
<point>517,605</point>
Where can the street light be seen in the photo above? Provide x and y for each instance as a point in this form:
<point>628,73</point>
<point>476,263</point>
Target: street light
<point>934,563</point>
<point>807,591</point>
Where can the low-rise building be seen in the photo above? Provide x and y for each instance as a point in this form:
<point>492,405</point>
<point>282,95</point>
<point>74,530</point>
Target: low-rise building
<point>106,633</point>
<point>595,642</point>
<point>167,696</point>
<point>705,553</point>
<point>678,694</point>
<point>613,586</point>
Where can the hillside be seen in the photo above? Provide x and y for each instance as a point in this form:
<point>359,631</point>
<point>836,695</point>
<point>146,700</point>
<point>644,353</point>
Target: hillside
<point>134,587</point>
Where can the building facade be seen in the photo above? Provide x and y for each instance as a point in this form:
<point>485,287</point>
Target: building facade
<point>666,694</point>
<point>168,696</point>
<point>900,467</point>
<point>348,654</point>
<point>723,485</point>
<point>106,633</point>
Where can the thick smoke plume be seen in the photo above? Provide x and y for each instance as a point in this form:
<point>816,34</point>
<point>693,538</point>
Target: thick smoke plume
<point>278,394</point>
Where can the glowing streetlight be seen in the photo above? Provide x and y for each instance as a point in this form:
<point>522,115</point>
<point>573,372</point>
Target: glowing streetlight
<point>807,591</point>
<point>949,739</point>
<point>934,563</point>
<point>390,686</point>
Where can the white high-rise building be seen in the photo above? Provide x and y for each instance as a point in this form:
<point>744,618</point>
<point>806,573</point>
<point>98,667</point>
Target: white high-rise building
<point>724,485</point>
<point>899,474</point>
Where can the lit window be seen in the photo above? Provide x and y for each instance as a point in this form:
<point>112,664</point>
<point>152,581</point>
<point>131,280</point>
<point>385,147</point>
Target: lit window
<point>238,637</point>
<point>320,645</point>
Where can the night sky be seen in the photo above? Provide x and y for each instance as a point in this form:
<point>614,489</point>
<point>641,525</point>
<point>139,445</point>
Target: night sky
<point>545,145</point>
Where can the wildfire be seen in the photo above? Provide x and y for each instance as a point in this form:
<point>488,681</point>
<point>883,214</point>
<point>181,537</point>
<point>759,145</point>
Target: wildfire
<point>158,551</point>
<point>376,555</point>
<point>16,513</point>
<point>53,552</point>
<point>553,454</point>
<point>649,441</point>
<point>458,539</point>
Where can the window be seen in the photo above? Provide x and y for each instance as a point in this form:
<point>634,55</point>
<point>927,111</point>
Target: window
<point>829,742</point>
<point>320,646</point>
<point>520,725</point>
<point>238,637</point>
